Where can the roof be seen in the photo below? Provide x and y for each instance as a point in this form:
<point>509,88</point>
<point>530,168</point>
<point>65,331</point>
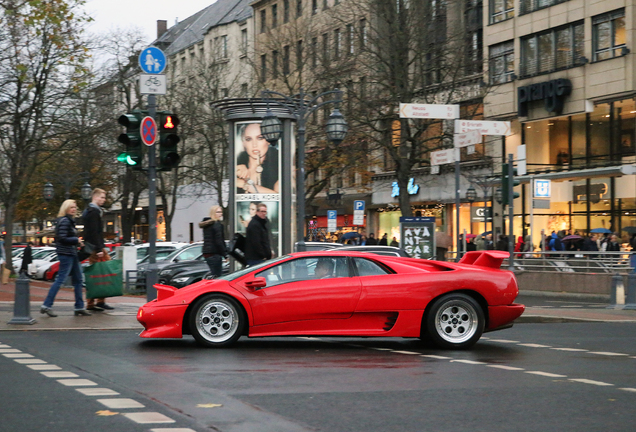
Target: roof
<point>192,30</point>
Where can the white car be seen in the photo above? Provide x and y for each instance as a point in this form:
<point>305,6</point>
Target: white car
<point>43,267</point>
<point>40,253</point>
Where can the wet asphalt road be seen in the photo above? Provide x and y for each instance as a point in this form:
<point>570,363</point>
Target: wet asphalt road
<point>533,377</point>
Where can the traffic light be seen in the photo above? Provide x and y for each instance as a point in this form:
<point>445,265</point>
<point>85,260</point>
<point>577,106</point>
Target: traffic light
<point>168,139</point>
<point>506,185</point>
<point>131,139</point>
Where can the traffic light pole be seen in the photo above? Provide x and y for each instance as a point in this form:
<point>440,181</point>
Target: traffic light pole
<point>511,213</point>
<point>151,276</point>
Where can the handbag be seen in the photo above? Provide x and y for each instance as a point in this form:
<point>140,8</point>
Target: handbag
<point>104,279</point>
<point>85,251</point>
<point>236,248</point>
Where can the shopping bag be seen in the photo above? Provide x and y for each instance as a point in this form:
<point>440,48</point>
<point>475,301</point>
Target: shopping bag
<point>104,279</point>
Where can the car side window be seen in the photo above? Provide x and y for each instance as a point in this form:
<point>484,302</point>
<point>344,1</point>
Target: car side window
<point>368,268</point>
<point>190,253</point>
<point>306,269</point>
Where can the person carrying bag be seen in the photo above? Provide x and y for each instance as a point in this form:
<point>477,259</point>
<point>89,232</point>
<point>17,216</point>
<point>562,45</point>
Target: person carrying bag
<point>103,277</point>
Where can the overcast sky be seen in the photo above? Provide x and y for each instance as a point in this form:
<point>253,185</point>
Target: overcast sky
<point>110,14</point>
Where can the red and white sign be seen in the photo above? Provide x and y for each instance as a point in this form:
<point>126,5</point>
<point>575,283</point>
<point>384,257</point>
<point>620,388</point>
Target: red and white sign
<point>148,129</point>
<point>442,157</point>
<point>484,127</point>
<point>467,138</point>
<point>429,111</point>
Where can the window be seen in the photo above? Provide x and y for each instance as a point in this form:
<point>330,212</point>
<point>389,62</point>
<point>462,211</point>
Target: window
<point>223,47</point>
<point>299,8</point>
<point>608,35</point>
<point>244,41</point>
<point>286,60</point>
<point>325,48</point>
<point>274,64</point>
<point>299,55</point>
<point>285,11</point>
<point>337,43</point>
<point>314,52</point>
<point>350,39</point>
<point>244,91</point>
<point>502,62</point>
<point>527,6</point>
<point>474,52</point>
<point>325,4</point>
<point>314,7</point>
<point>263,67</point>
<point>274,15</point>
<point>363,33</point>
<point>552,50</point>
<point>501,10</point>
<point>306,269</point>
<point>263,21</point>
<point>366,267</point>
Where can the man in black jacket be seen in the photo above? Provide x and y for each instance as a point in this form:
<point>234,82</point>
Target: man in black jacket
<point>94,235</point>
<point>257,246</point>
<point>26,259</point>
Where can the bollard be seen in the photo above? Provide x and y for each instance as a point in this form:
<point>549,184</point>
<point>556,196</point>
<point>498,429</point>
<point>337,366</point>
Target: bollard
<point>22,302</point>
<point>616,281</point>
<point>630,301</point>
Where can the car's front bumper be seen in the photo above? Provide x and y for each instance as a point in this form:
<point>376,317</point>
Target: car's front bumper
<point>161,321</point>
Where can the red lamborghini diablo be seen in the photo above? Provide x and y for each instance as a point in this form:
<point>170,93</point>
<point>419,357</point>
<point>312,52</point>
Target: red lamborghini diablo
<point>331,293</point>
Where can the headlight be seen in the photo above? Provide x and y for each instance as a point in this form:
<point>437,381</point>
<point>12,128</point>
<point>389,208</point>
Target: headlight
<point>180,279</point>
<point>164,272</point>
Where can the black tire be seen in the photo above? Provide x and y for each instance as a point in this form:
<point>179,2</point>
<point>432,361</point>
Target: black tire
<point>454,321</point>
<point>216,320</point>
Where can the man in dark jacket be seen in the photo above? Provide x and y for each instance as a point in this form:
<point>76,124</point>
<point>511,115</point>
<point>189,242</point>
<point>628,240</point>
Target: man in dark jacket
<point>257,246</point>
<point>26,258</point>
<point>94,236</point>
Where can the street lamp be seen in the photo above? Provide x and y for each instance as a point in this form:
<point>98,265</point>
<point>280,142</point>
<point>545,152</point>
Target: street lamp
<point>86,191</point>
<point>498,195</point>
<point>334,199</point>
<point>471,194</point>
<point>48,191</point>
<point>300,109</point>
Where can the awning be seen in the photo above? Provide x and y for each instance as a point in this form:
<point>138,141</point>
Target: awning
<point>614,171</point>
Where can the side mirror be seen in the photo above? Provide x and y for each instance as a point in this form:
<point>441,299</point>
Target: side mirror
<point>257,283</point>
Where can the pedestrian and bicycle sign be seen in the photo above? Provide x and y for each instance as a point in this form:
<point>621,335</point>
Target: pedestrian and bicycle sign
<point>152,84</point>
<point>152,60</point>
<point>148,130</point>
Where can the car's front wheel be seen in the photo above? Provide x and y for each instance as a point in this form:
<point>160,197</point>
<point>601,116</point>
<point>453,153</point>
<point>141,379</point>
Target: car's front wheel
<point>217,320</point>
<point>455,321</point>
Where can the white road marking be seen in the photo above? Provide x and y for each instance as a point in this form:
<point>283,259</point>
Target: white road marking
<point>531,345</point>
<point>9,350</point>
<point>587,381</point>
<point>406,352</point>
<point>504,341</point>
<point>97,391</point>
<point>148,417</point>
<point>546,374</point>
<point>504,367</point>
<point>41,367</point>
<point>76,382</point>
<point>629,389</point>
<point>468,362</point>
<point>60,374</point>
<point>120,403</point>
<point>28,361</point>
<point>5,346</point>
<point>18,355</point>
<point>569,349</point>
<point>608,353</point>
<point>435,357</point>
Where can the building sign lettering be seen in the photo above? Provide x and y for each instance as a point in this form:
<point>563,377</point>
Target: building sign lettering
<point>552,93</point>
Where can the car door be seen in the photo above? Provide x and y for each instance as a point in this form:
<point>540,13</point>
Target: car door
<point>294,292</point>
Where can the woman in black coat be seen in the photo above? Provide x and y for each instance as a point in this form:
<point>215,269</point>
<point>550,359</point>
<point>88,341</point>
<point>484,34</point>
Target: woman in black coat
<point>66,243</point>
<point>214,248</point>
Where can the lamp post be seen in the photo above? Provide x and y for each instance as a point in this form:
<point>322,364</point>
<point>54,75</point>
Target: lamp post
<point>334,199</point>
<point>300,109</point>
<point>48,191</point>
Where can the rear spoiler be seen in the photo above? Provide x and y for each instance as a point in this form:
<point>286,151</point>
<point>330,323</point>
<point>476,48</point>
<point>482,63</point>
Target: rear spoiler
<point>491,258</point>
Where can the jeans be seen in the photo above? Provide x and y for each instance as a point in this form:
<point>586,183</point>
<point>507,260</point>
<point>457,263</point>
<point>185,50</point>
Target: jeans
<point>69,265</point>
<point>215,262</point>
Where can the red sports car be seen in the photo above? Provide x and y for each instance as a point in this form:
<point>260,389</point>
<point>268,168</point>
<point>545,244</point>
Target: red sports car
<point>332,293</point>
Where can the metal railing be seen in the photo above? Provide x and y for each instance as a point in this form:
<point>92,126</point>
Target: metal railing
<point>571,262</point>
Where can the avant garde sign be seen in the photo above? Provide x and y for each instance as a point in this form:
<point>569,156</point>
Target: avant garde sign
<point>552,93</point>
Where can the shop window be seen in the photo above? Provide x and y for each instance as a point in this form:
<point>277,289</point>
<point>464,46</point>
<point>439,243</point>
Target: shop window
<point>599,129</point>
<point>579,140</point>
<point>502,62</point>
<point>608,35</point>
<point>501,10</point>
<point>625,126</point>
<point>527,6</point>
<point>552,50</point>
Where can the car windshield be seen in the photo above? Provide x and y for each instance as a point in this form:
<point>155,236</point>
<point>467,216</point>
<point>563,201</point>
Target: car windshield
<point>237,274</point>
<point>41,254</point>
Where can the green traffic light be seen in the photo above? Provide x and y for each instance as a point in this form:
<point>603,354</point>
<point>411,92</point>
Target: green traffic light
<point>126,158</point>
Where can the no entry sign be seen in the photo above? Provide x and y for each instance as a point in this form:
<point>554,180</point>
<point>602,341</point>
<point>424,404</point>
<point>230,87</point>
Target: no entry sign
<point>148,130</point>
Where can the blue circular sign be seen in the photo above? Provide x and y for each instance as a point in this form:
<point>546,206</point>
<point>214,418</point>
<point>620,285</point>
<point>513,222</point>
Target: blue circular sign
<point>148,130</point>
<point>152,60</point>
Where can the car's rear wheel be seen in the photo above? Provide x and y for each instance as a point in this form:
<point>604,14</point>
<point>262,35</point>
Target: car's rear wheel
<point>217,320</point>
<point>455,321</point>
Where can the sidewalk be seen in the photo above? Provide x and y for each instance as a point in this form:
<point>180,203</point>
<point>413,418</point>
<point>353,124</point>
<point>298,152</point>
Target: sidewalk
<point>124,317</point>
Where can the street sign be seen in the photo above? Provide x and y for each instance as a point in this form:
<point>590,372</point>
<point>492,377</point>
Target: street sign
<point>148,129</point>
<point>152,60</point>
<point>358,212</point>
<point>442,157</point>
<point>484,127</point>
<point>428,111</point>
<point>332,220</point>
<point>467,138</point>
<point>152,84</point>
<point>542,188</point>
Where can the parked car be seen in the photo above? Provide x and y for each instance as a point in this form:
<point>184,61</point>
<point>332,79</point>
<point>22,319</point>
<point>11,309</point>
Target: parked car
<point>44,253</point>
<point>187,253</point>
<point>353,294</point>
<point>142,249</point>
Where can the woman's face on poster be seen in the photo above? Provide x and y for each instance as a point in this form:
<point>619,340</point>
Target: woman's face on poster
<point>253,141</point>
<point>252,209</point>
